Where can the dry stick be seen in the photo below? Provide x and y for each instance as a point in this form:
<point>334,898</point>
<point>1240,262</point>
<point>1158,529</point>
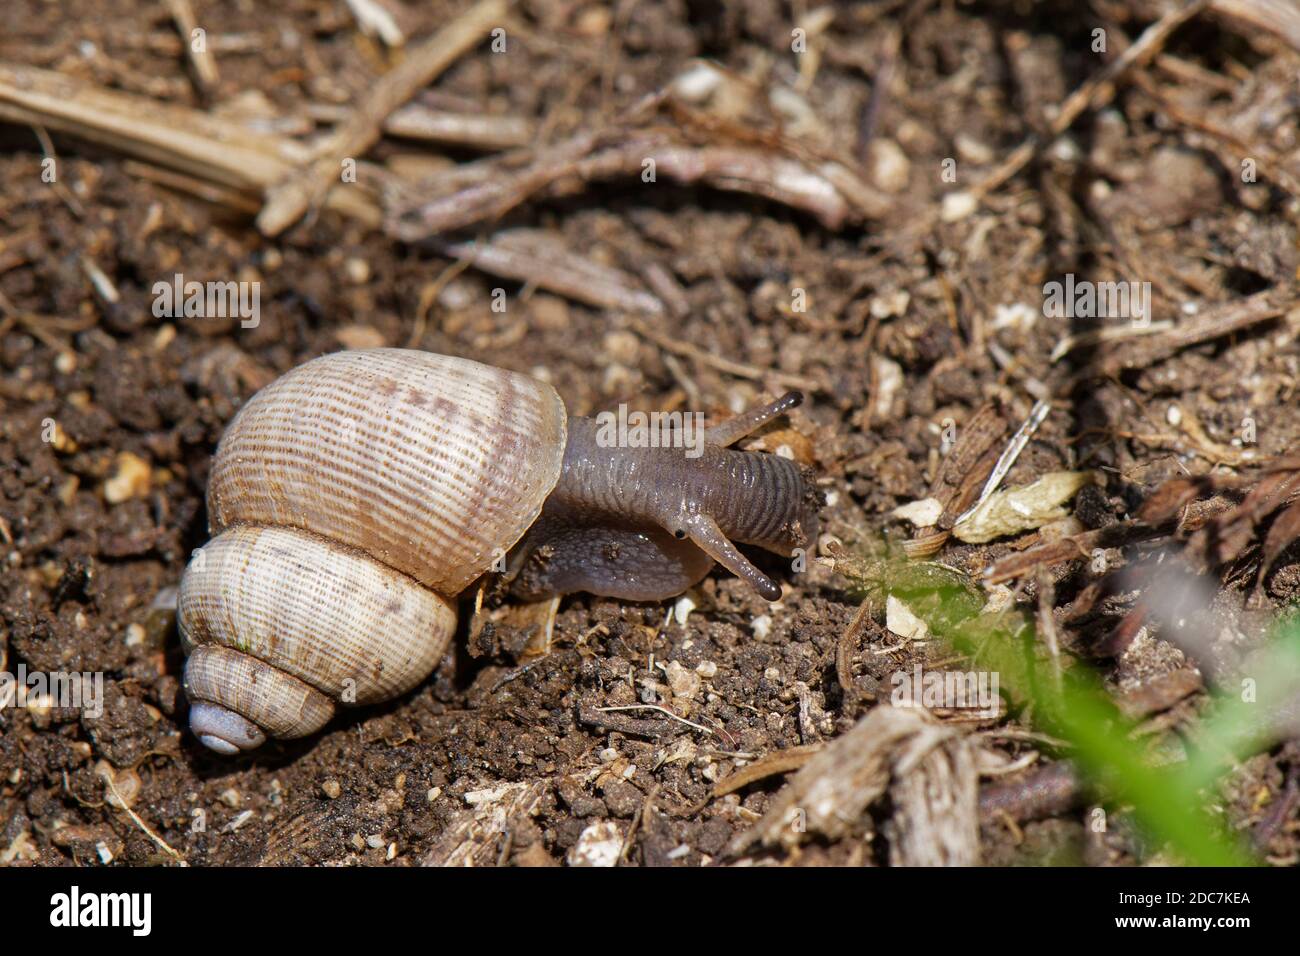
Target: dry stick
<point>1009,455</point>
<point>121,805</point>
<point>210,148</point>
<point>481,190</point>
<point>843,654</point>
<point>417,121</point>
<point>204,63</point>
<point>1079,547</point>
<point>204,189</point>
<point>1213,323</point>
<point>60,188</point>
<point>1280,17</point>
<point>189,140</point>
<point>292,196</point>
<point>783,761</point>
<point>539,257</point>
<point>375,20</point>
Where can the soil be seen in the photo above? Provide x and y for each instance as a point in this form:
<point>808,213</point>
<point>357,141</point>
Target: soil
<point>502,756</point>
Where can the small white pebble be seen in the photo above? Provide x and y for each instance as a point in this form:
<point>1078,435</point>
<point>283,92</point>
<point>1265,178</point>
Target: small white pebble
<point>608,755</point>
<point>433,794</point>
<point>331,789</point>
<point>1174,415</point>
<point>761,626</point>
<point>375,841</point>
<point>358,271</point>
<point>706,669</point>
<point>683,608</point>
<point>105,854</point>
<point>957,206</point>
<point>600,844</point>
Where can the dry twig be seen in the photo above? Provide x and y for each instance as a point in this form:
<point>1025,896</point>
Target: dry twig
<point>294,193</point>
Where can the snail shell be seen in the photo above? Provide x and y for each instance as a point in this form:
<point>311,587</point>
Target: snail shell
<point>350,501</point>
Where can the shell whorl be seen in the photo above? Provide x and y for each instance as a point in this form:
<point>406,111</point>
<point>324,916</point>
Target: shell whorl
<point>331,618</point>
<point>352,500</point>
<point>432,465</point>
<point>238,699</point>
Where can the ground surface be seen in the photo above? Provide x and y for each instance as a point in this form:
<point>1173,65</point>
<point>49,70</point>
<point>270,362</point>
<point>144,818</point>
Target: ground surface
<point>904,328</point>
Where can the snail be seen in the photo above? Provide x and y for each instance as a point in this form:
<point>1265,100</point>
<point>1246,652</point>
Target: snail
<point>355,497</point>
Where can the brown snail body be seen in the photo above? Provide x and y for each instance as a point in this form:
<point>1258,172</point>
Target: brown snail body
<point>355,497</point>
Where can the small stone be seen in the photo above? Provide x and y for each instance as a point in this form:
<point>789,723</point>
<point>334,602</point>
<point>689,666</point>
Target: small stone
<point>67,492</point>
<point>331,789</point>
<point>231,798</point>
<point>683,608</point>
<point>685,683</point>
<point>889,165</point>
<point>706,669</point>
<point>550,313</point>
<point>600,844</point>
<point>357,270</point>
<point>61,441</point>
<point>593,21</point>
<point>924,513</point>
<point>972,150</point>
<point>132,479</point>
<point>375,841</point>
<point>761,626</point>
<point>360,337</point>
<point>957,206</point>
<point>900,620</point>
<point>623,347</point>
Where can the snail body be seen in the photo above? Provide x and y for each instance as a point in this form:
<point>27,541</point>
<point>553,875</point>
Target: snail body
<point>355,497</point>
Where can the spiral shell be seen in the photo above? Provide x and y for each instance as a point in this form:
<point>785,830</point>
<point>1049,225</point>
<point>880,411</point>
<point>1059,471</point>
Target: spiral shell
<point>430,464</point>
<point>352,500</point>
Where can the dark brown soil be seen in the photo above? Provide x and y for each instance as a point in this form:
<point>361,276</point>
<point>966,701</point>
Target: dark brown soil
<point>1127,192</point>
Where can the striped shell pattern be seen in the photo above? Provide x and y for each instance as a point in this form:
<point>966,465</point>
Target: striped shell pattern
<point>350,501</point>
